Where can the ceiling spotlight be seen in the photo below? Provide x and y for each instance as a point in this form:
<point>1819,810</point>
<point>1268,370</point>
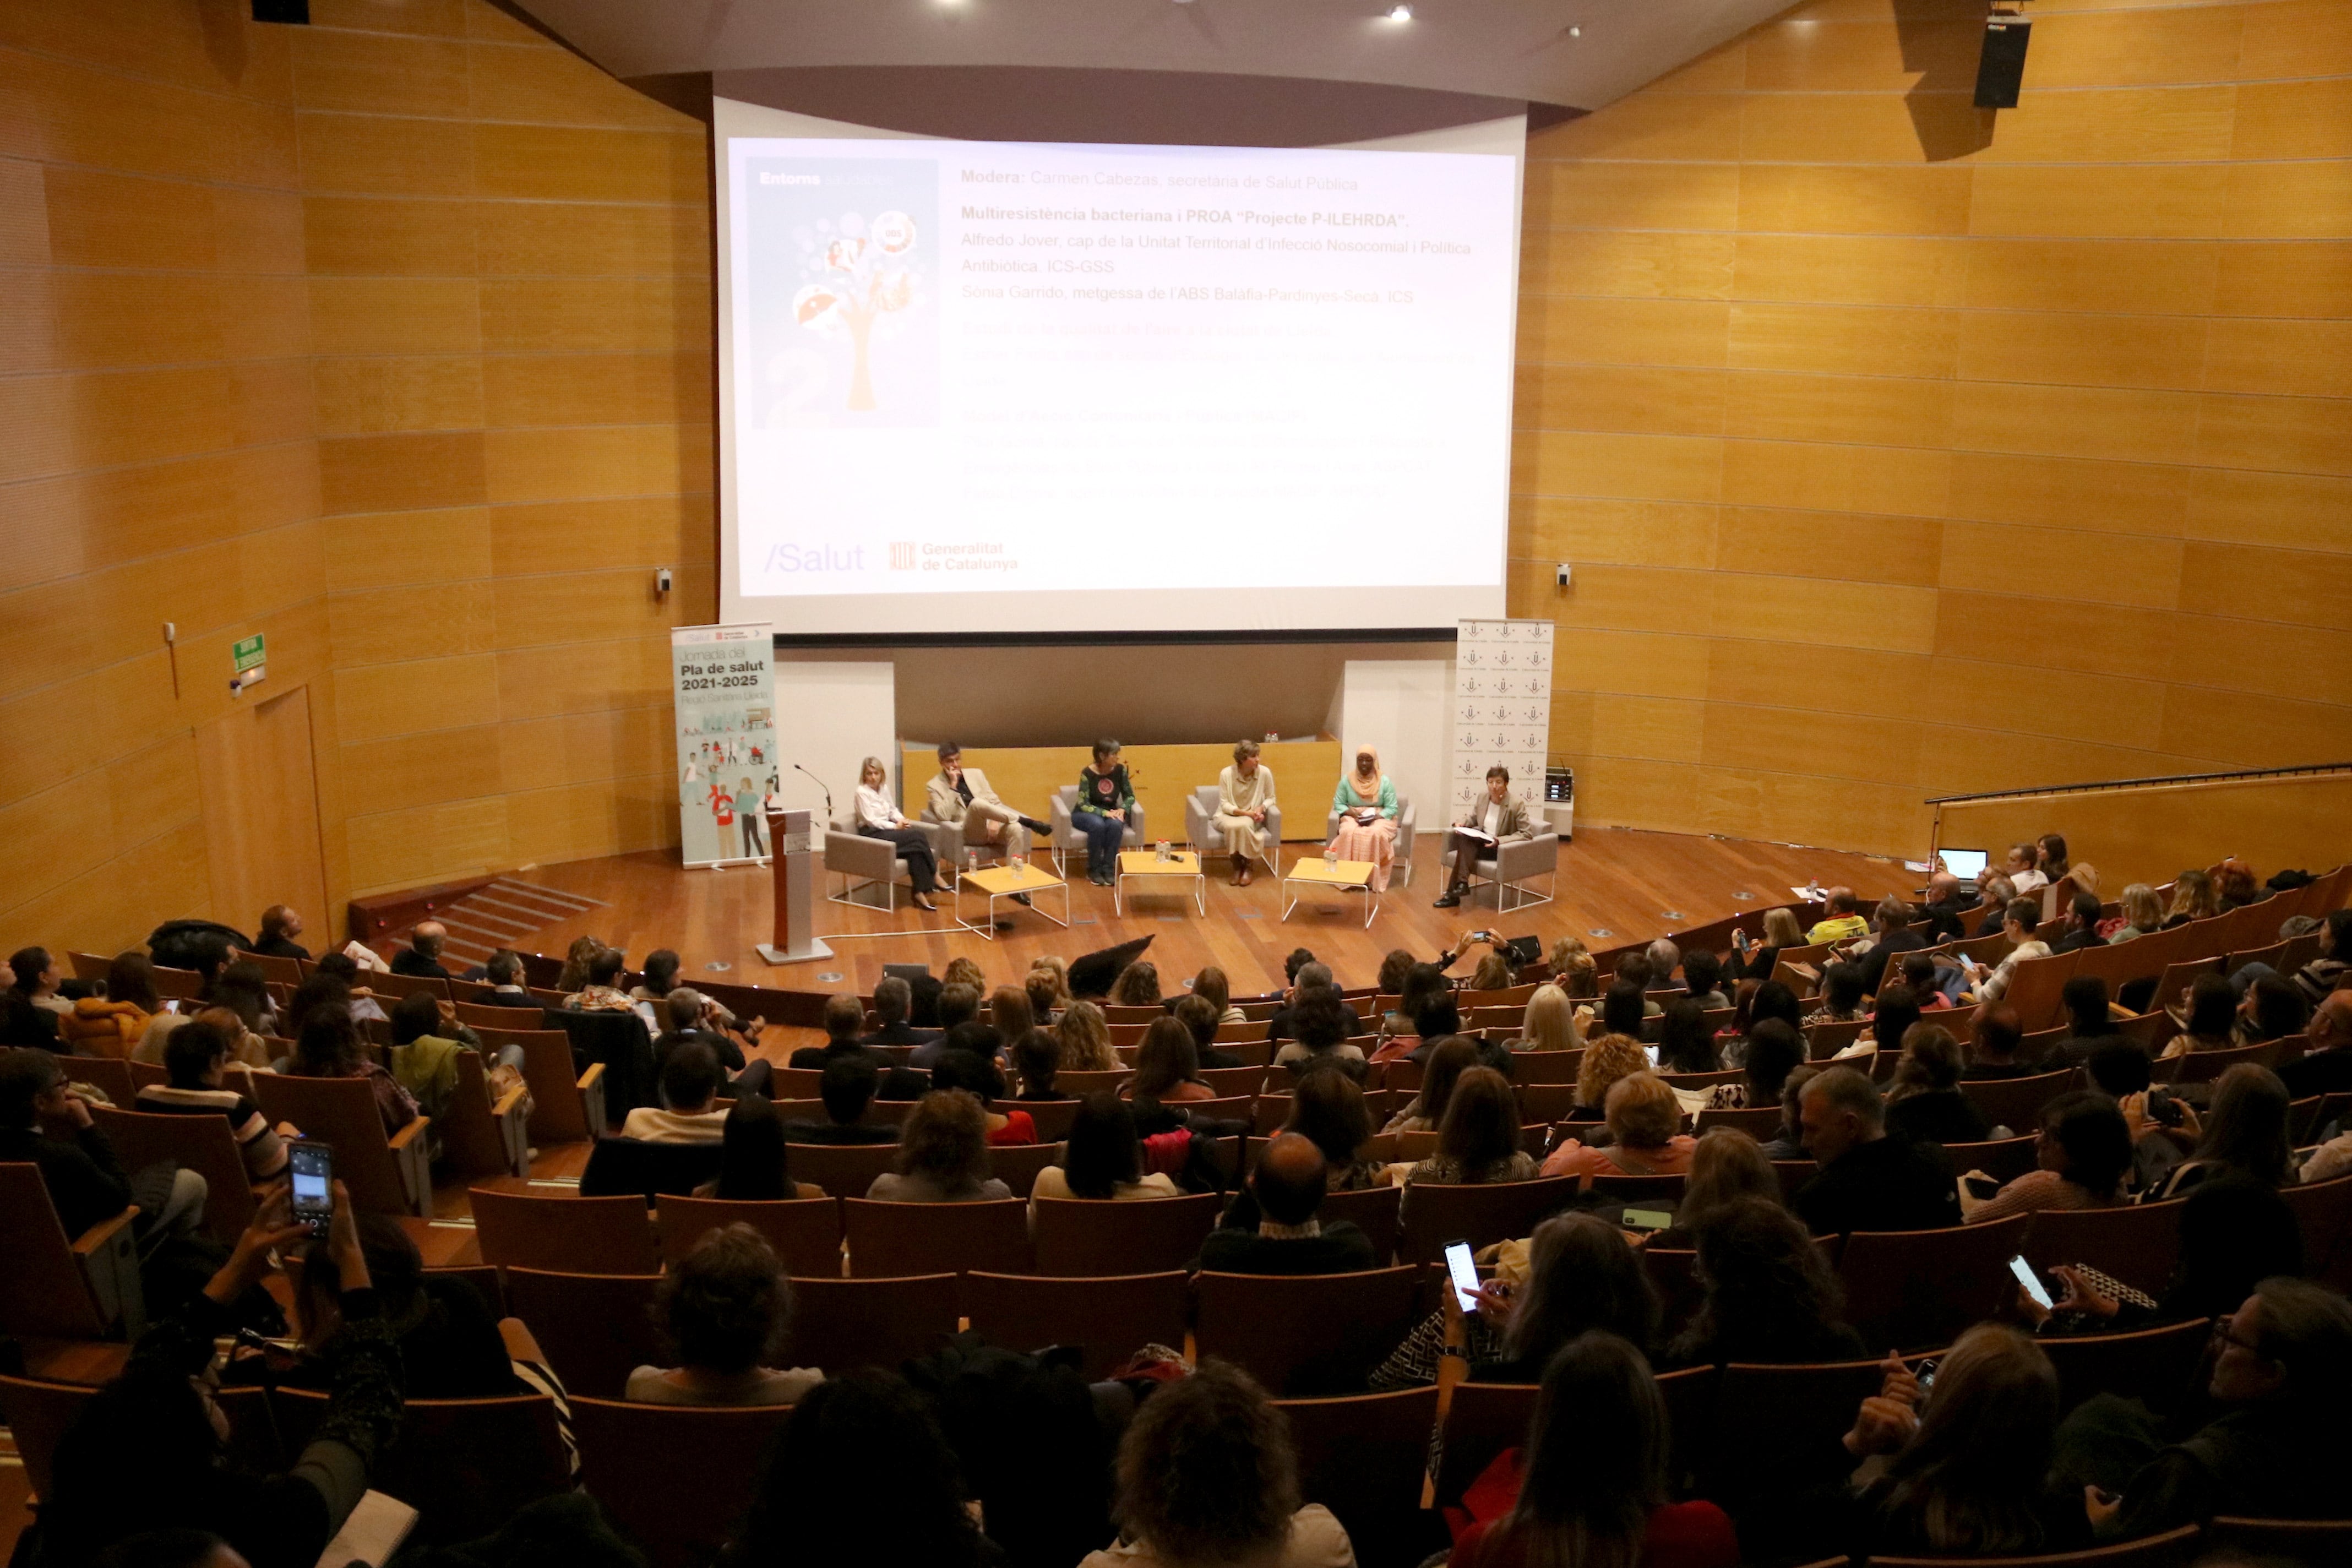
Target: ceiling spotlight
<point>1400,13</point>
<point>1576,32</point>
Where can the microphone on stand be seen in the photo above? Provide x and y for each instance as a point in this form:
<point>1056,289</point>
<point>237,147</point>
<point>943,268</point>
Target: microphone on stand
<point>820,783</point>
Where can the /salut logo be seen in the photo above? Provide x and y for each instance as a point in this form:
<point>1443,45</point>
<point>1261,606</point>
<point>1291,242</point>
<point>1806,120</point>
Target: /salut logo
<point>789,557</point>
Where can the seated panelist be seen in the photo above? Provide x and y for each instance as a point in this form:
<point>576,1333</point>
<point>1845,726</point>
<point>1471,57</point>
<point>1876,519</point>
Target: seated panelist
<point>961,796</point>
<point>1105,798</point>
<point>1501,816</point>
<point>1245,795</point>
<point>1366,801</point>
<point>878,817</point>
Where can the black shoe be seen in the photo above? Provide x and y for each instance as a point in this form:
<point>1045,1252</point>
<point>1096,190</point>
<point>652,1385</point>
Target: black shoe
<point>1022,900</point>
<point>1041,829</point>
<point>1452,899</point>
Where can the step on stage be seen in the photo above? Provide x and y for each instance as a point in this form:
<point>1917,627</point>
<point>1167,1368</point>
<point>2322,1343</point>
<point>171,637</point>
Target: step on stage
<point>1614,885</point>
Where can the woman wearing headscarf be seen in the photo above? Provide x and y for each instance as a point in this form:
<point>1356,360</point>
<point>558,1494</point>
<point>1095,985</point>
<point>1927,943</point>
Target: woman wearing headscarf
<point>1365,801</point>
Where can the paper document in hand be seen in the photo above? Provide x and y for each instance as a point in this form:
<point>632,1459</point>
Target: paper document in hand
<point>1480,834</point>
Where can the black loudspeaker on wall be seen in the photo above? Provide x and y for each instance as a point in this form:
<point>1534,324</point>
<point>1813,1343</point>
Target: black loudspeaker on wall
<point>2001,67</point>
<point>297,12</point>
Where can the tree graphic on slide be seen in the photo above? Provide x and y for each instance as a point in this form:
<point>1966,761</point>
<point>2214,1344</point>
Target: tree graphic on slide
<point>862,281</point>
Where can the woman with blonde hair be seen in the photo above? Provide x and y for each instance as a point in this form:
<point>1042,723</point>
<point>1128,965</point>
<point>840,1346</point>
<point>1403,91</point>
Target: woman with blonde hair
<point>1607,1058</point>
<point>2143,912</point>
<point>1493,973</point>
<point>1726,1166</point>
<point>878,817</point>
<point>1084,1039</point>
<point>1212,986</point>
<point>1563,950</point>
<point>1366,803</point>
<point>1549,1024</point>
<point>2194,898</point>
<point>1646,1120</point>
<point>1137,985</point>
<point>1052,964</point>
<point>1753,959</point>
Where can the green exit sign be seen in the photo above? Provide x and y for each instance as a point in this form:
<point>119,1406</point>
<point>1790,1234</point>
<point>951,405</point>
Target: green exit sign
<point>247,654</point>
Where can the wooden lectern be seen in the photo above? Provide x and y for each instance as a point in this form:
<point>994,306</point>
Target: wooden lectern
<point>790,844</point>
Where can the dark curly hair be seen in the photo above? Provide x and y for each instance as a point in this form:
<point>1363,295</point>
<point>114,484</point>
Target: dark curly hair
<point>724,1308</point>
<point>1206,1472</point>
<point>1770,1296</point>
<point>824,1498</point>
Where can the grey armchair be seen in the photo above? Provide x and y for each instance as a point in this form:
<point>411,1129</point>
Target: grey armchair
<point>1403,838</point>
<point>1201,807</point>
<point>1064,839</point>
<point>1510,866</point>
<point>866,862</point>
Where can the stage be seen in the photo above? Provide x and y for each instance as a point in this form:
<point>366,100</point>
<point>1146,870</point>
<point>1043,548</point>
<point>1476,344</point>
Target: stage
<point>1614,885</point>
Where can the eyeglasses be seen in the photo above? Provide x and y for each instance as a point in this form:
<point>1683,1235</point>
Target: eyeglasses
<point>2224,1333</point>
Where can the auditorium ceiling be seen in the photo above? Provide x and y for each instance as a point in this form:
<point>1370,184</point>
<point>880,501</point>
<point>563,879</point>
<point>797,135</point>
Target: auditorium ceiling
<point>1565,54</point>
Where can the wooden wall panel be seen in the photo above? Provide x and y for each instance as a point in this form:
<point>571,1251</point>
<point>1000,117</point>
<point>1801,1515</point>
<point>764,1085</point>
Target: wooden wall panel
<point>2006,448</point>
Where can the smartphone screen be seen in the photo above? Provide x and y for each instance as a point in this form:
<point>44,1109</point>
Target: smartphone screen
<point>1465,1274</point>
<point>1646,1219</point>
<point>313,1166</point>
<point>1652,1052</point>
<point>2030,1280</point>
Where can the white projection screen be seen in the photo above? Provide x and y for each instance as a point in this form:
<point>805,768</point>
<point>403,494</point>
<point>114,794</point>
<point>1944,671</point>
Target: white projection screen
<point>975,388</point>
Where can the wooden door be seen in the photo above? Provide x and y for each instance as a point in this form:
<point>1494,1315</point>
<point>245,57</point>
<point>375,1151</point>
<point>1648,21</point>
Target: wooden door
<point>261,812</point>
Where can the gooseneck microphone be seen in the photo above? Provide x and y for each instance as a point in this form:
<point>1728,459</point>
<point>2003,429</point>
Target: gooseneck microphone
<point>821,785</point>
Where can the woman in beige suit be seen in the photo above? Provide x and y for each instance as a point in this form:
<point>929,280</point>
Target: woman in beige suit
<point>1501,816</point>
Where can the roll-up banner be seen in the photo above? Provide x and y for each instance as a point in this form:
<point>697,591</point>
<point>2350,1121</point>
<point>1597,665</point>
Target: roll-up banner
<point>725,685</point>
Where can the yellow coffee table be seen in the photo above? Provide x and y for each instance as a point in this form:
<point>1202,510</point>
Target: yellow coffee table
<point>1003,882</point>
<point>1340,876</point>
<point>1147,868</point>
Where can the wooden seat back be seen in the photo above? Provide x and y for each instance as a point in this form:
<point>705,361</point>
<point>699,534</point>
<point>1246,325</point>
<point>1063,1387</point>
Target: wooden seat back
<point>385,1175</point>
<point>482,1137</point>
<point>839,1324</point>
<point>1305,1334</point>
<point>2168,1549</point>
<point>1110,1317</point>
<point>893,1239</point>
<point>465,1465</point>
<point>203,1144</point>
<point>2016,1103</point>
<point>2003,1159</point>
<point>661,1472</point>
<point>1230,1081</point>
<point>563,1235</point>
<point>805,1232</point>
<point>843,1170</point>
<point>2138,1244</point>
<point>2204,1067</point>
<point>60,1287</point>
<point>567,1103</point>
<point>1915,1288</point>
<point>1093,1237</point>
<point>2155,1364</point>
<point>1362,1456</point>
<point>111,1074</point>
<point>38,1414</point>
<point>1761,1122</point>
<point>594,1329</point>
<point>1481,1215</point>
<point>1378,1212</point>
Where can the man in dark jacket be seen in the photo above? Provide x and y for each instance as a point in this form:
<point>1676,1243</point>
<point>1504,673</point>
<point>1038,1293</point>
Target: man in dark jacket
<point>422,957</point>
<point>1289,1184</point>
<point>1868,1180</point>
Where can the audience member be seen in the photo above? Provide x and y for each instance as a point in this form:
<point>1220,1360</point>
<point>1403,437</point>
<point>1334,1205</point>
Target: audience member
<point>1200,1016</point>
<point>2082,1157</point>
<point>1774,1050</point>
<point>2082,925</point>
<point>1895,1013</point>
<point>2236,1233</point>
<point>1969,1460</point>
<point>2244,1133</point>
<point>505,974</point>
<point>1037,1061</point>
<point>280,927</point>
<point>1643,1119</point>
<point>1623,1010</point>
<point>329,1047</point>
<point>1684,1042</point>
<point>1047,996</point>
<point>1769,1293</point>
<point>691,1080</point>
<point>1607,1058</point>
<point>1754,960</point>
<point>943,1154</point>
<point>2277,1449</point>
<point>1703,979</point>
<point>2325,1064</point>
<point>113,1024</point>
<point>1446,1063</point>
<point>1206,1476</point>
<point>1581,1274</point>
<point>197,1058</point>
<point>1287,1238</point>
<point>1549,1023</point>
<point>2272,1009</point>
<point>1102,1157</point>
<point>1891,938</point>
<point>2142,912</point>
<point>1591,1486</point>
<point>2194,898</point>
<point>2018,923</point>
<point>846,1085</point>
<point>2318,979</point>
<point>1868,1181</point>
<point>1084,1039</point>
<point>723,1311</point>
<point>1310,976</point>
<point>978,1077</point>
<point>36,976</point>
<point>422,957</point>
<point>1137,985</point>
<point>1167,1069</point>
<point>693,1016</point>
<point>1727,1165</point>
<point>2212,1019</point>
<point>1925,1103</point>
<point>825,1497</point>
<point>1840,995</point>
<point>1478,1139</point>
<point>1788,1142</point>
<point>157,1422</point>
<point>1840,921</point>
<point>754,1161</point>
<point>1212,986</point>
<point>894,1003</point>
<point>447,1336</point>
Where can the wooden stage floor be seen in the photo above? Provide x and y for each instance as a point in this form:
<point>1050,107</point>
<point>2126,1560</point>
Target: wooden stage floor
<point>1614,885</point>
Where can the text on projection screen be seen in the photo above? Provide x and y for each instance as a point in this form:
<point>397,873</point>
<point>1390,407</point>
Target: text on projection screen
<point>1013,387</point>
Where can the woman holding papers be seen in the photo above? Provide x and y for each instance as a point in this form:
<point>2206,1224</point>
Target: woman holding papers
<point>1492,820</point>
<point>1366,801</point>
<point>1245,795</point>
